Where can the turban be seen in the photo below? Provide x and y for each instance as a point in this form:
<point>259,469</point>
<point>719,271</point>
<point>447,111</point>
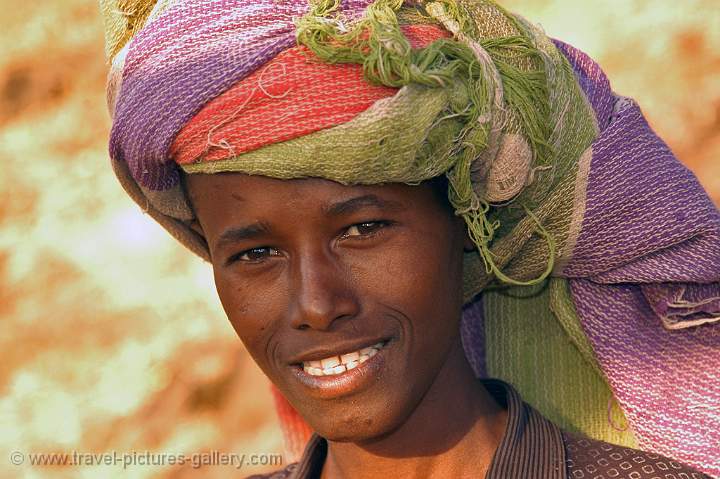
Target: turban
<point>596,279</point>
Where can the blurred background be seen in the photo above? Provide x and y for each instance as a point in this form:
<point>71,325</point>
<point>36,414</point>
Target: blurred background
<point>112,337</point>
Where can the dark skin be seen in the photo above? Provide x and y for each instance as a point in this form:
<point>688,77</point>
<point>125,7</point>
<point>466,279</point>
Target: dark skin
<point>310,266</point>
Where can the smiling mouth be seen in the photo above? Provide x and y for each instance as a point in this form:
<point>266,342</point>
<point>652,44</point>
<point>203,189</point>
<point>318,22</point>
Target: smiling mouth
<point>334,365</point>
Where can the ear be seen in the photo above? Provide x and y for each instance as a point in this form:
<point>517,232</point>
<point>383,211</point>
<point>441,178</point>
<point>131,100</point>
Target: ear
<point>468,244</point>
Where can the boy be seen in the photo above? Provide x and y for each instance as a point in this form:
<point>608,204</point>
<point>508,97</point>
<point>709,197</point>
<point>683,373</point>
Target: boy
<point>301,148</point>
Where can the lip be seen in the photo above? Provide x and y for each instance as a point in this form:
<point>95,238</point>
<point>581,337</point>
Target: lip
<point>322,353</point>
<point>347,383</point>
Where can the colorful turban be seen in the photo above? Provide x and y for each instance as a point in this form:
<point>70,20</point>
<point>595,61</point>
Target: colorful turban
<point>602,251</point>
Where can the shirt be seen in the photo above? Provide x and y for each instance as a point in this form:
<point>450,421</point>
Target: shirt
<point>533,448</point>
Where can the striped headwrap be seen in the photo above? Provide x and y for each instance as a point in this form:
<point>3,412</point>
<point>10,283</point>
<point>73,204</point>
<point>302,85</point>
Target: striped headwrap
<point>609,247</point>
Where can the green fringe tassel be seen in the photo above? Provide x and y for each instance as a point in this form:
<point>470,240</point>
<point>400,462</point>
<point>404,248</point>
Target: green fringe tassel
<point>377,43</point>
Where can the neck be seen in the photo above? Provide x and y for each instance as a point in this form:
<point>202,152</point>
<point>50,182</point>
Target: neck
<point>453,432</point>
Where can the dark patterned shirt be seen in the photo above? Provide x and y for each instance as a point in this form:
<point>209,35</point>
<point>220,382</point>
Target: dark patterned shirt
<point>534,448</point>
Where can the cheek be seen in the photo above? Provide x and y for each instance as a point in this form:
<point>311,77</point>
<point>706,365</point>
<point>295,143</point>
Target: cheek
<point>421,276</point>
<point>253,312</point>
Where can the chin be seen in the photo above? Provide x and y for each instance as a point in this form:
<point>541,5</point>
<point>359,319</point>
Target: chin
<point>359,421</point>
<point>355,429</point>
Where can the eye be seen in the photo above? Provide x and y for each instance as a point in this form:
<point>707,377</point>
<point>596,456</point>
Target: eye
<point>254,255</point>
<point>367,228</point>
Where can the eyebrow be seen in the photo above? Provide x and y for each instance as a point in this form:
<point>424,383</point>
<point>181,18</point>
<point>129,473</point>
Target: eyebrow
<point>352,205</point>
<point>251,231</point>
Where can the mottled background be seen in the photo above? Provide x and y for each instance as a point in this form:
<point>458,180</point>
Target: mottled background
<point>112,338</point>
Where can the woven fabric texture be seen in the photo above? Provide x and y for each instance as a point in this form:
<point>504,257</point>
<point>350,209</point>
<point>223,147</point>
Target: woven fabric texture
<point>289,97</point>
<point>650,230</point>
<point>520,333</point>
<point>588,459</point>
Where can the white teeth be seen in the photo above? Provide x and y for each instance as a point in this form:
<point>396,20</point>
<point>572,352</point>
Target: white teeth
<point>346,358</point>
<point>340,364</point>
<point>371,350</point>
<point>367,351</point>
<point>330,362</point>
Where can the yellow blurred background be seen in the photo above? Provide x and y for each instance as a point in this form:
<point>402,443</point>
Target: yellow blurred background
<point>112,337</point>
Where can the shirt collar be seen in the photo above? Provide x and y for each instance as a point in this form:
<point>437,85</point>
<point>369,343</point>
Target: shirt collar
<point>532,447</point>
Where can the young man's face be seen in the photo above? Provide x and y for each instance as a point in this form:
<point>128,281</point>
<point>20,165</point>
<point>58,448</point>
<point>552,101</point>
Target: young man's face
<point>348,298</point>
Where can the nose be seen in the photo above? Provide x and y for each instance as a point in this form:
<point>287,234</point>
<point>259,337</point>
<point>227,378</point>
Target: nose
<point>322,292</point>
